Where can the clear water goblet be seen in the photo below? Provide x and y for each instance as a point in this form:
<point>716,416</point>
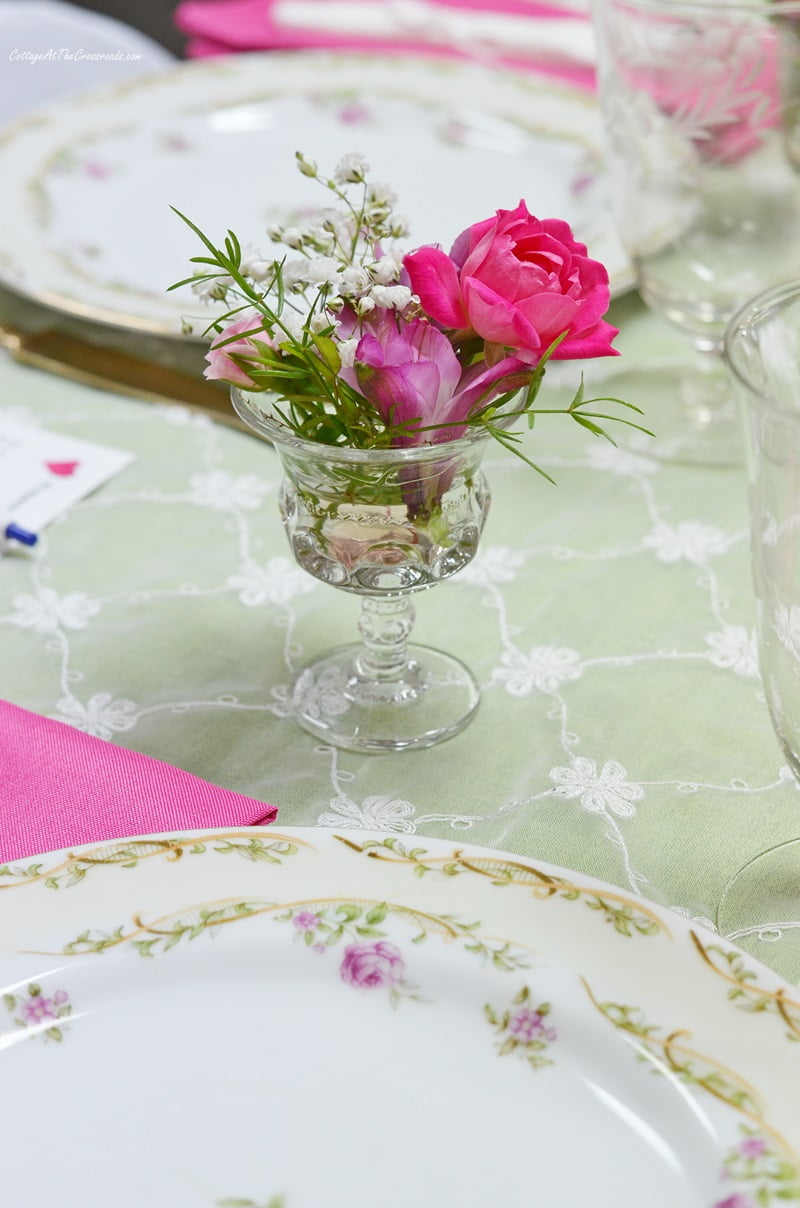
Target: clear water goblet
<point>700,107</point>
<point>762,345</point>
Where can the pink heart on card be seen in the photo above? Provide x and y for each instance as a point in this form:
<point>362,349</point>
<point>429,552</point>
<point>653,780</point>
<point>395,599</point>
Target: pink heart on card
<point>63,468</point>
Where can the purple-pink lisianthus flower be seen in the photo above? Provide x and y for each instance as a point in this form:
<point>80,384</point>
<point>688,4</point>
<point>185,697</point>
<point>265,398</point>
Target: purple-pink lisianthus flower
<point>518,282</point>
<point>410,372</point>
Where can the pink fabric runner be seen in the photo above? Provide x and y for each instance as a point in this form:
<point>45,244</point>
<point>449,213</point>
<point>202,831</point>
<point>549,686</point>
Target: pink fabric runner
<point>231,26</point>
<point>60,788</point>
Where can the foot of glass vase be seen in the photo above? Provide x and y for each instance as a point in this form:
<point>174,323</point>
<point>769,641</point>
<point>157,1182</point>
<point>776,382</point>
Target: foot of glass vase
<point>429,699</point>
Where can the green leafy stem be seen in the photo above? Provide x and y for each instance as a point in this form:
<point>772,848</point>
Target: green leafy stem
<point>628,918</point>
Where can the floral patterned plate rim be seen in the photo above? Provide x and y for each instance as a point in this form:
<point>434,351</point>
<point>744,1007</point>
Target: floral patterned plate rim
<point>88,183</point>
<point>290,1017</point>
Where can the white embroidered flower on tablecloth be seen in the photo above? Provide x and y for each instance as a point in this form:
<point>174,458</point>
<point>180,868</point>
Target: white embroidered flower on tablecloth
<point>545,668</point>
<point>275,583</point>
<point>375,813</point>
<point>101,716</point>
<point>734,648</point>
<point>600,792</point>
<point>222,492</point>
<point>604,456</point>
<point>322,696</point>
<point>786,623</point>
<point>182,417</point>
<point>47,611</point>
<point>495,564</point>
<point>690,540</point>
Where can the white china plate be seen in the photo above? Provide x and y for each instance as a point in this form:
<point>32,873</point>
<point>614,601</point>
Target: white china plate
<point>87,184</point>
<point>301,1018</point>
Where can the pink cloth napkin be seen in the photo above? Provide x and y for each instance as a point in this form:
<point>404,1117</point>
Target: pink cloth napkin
<point>60,787</point>
<point>231,26</point>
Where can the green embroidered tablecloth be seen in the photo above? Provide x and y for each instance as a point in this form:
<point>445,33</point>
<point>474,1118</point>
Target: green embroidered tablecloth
<point>622,732</point>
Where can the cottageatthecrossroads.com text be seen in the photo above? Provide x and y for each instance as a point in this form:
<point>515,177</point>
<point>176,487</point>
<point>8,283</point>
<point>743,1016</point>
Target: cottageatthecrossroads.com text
<point>63,55</point>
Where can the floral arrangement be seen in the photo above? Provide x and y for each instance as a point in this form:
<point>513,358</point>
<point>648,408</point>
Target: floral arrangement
<point>364,345</point>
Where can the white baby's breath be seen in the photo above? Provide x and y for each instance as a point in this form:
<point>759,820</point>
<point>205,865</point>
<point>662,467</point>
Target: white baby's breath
<point>323,270</point>
<point>212,289</point>
<point>351,169</point>
<point>294,272</point>
<point>391,297</point>
<point>340,283</point>
<point>385,271</point>
<point>257,268</point>
<point>354,280</point>
<point>347,352</point>
<point>292,237</point>
<point>381,195</point>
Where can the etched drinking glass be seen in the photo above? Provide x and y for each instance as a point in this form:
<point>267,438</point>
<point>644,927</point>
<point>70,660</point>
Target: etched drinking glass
<point>382,524</point>
<point>700,105</point>
<point>763,348</point>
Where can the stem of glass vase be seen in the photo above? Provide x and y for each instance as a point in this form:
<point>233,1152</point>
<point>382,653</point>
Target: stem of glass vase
<point>385,694</point>
<point>385,626</point>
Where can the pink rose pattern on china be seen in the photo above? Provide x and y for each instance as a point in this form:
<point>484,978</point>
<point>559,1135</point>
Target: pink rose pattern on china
<point>369,961</point>
<point>371,966</point>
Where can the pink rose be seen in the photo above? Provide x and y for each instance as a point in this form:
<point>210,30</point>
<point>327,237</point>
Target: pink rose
<point>372,965</point>
<point>518,282</point>
<point>224,363</point>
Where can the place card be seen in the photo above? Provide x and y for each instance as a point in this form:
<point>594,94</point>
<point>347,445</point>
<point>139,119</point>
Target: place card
<point>42,474</point>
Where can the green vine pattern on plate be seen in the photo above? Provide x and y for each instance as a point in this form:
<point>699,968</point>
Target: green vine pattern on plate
<point>670,1053</point>
<point>627,917</point>
<point>744,990</point>
<point>762,1175</point>
<point>524,1029</point>
<point>74,869</point>
<point>369,960</point>
<point>275,1201</point>
<point>39,1013</point>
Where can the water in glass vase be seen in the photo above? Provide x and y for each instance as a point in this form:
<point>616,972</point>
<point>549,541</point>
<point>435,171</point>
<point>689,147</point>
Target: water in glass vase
<point>383,524</point>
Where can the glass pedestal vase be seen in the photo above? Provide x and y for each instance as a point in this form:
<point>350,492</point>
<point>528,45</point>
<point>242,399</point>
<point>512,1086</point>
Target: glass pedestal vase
<point>381,524</point>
